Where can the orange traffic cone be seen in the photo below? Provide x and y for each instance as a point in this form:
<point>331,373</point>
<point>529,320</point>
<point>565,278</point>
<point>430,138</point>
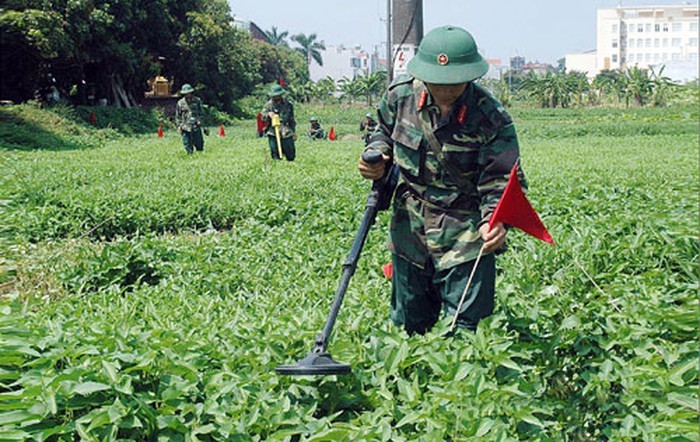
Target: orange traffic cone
<point>160,131</point>
<point>331,134</point>
<point>221,131</point>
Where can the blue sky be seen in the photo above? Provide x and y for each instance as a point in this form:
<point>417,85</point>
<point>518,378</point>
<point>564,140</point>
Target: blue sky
<point>539,30</point>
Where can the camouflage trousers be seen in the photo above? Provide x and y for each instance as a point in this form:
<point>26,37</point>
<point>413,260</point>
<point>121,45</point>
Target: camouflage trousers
<point>288,149</point>
<point>418,295</point>
<point>193,140</point>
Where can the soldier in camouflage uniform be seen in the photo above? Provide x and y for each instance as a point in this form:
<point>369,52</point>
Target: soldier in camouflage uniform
<point>455,146</point>
<point>315,131</point>
<point>367,126</point>
<point>279,105</point>
<point>188,114</point>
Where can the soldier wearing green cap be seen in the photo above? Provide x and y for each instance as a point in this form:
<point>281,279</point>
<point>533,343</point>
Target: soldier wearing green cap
<point>279,105</point>
<point>367,125</point>
<point>188,115</point>
<point>455,145</point>
<point>315,130</point>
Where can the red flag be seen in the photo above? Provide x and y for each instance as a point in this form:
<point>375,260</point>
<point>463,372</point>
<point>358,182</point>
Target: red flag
<point>160,131</point>
<point>281,81</point>
<point>261,124</point>
<point>93,120</point>
<point>331,134</point>
<point>515,210</point>
<point>221,131</point>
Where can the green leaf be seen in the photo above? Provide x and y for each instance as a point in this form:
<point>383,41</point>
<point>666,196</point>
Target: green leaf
<point>17,417</point>
<point>86,388</point>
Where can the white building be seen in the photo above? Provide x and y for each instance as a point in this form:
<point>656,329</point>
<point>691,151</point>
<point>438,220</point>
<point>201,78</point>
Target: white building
<point>647,37</point>
<point>582,62</point>
<point>340,62</point>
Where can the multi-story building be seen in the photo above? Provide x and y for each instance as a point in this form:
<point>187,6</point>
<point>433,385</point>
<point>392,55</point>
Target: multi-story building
<point>649,37</point>
<point>342,62</point>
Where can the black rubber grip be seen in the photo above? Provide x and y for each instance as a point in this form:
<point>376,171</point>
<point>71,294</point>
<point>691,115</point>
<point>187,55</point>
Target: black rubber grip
<point>371,156</point>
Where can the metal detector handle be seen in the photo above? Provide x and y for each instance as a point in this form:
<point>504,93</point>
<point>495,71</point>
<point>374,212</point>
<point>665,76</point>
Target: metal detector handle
<point>374,200</point>
<point>383,188</point>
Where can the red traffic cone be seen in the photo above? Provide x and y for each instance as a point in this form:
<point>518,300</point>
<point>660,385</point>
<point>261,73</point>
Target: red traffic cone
<point>160,131</point>
<point>221,131</point>
<point>93,120</point>
<point>331,134</point>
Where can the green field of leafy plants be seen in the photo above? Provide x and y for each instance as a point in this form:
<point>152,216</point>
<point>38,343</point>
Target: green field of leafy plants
<point>148,295</point>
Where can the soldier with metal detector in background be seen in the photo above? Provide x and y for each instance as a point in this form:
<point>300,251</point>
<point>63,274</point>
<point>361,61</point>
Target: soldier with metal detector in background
<point>455,145</point>
<point>188,115</point>
<point>278,113</point>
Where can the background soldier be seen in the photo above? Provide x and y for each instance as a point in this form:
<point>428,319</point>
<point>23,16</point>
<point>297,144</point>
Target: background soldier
<point>367,126</point>
<point>315,131</point>
<point>455,146</point>
<point>278,105</point>
<point>188,115</point>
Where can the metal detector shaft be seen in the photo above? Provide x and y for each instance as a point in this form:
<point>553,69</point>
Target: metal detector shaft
<point>381,190</point>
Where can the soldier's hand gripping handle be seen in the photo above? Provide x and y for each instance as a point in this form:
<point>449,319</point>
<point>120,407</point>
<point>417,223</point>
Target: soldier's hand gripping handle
<point>372,165</point>
<point>379,167</point>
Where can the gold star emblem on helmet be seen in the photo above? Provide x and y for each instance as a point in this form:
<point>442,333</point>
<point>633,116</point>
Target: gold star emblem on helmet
<point>442,59</point>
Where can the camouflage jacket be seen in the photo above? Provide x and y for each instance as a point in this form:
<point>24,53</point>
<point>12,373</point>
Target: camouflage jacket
<point>285,110</point>
<point>444,198</point>
<point>189,115</point>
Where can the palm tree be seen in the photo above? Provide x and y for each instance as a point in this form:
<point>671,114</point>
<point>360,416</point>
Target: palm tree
<point>310,48</point>
<point>371,85</point>
<point>639,85</point>
<point>277,39</point>
<point>325,88</point>
<point>662,87</point>
<point>350,89</point>
<point>577,83</point>
<point>609,82</point>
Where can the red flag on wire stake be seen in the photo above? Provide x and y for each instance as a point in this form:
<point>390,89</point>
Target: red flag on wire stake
<point>331,134</point>
<point>281,81</point>
<point>515,210</point>
<point>221,131</point>
<point>160,131</point>
<point>261,124</point>
<point>388,270</point>
<point>93,120</point>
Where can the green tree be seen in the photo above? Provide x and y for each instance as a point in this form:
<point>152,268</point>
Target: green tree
<point>220,58</point>
<point>310,48</point>
<point>638,86</point>
<point>578,85</point>
<point>609,83</point>
<point>277,38</point>
<point>370,85</point>
<point>278,61</point>
<point>325,88</point>
<point>662,87</point>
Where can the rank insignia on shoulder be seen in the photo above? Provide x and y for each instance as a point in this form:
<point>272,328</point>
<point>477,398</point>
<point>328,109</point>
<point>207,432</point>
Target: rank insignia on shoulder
<point>462,115</point>
<point>422,99</point>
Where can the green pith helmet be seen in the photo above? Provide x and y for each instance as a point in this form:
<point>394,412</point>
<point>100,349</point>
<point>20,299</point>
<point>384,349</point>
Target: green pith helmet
<point>186,89</point>
<point>276,90</point>
<point>447,55</point>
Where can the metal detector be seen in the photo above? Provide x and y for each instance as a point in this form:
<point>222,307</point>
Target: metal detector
<point>319,361</point>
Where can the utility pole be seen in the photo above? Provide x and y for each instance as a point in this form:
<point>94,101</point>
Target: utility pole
<point>388,44</point>
<point>405,32</point>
